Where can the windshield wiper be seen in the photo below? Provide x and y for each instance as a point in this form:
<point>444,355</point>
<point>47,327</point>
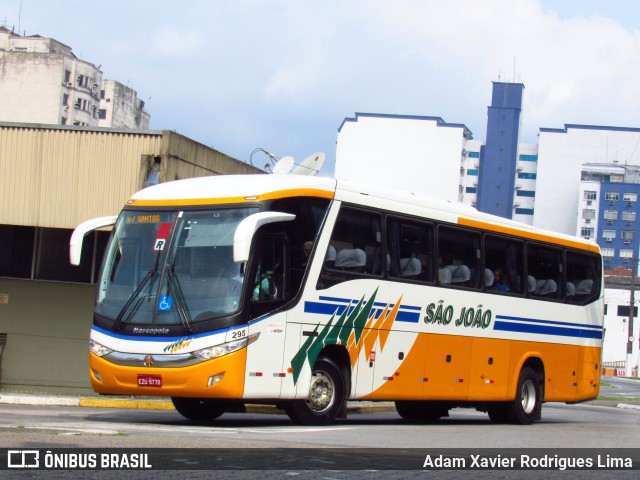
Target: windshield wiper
<point>117,325</point>
<point>182,307</point>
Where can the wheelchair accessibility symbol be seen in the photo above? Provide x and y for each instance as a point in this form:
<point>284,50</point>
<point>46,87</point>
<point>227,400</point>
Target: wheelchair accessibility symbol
<point>164,305</point>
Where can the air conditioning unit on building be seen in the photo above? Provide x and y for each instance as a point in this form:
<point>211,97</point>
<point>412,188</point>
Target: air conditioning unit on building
<point>69,84</point>
<point>65,108</point>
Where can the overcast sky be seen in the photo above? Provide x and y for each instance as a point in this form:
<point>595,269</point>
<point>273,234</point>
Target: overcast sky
<point>283,74</point>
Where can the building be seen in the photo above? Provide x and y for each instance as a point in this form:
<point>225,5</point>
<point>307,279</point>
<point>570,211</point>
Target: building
<point>120,107</point>
<point>55,177</point>
<point>42,81</point>
<point>369,146</point>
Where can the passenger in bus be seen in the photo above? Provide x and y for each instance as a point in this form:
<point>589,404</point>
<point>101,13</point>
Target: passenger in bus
<point>498,281</point>
<point>306,251</point>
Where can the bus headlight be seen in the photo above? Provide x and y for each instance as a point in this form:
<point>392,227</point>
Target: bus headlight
<point>97,349</point>
<point>225,348</point>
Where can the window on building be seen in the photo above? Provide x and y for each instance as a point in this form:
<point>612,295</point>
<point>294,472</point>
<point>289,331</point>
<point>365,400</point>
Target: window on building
<point>624,310</point>
<point>586,232</point>
<point>471,190</point>
<point>629,216</point>
<point>611,196</point>
<point>472,171</point>
<point>524,211</point>
<point>528,158</point>
<point>630,197</point>
<point>590,195</point>
<point>627,236</point>
<point>102,114</point>
<point>610,214</point>
<point>474,154</point>
<point>608,235</point>
<point>626,253</point>
<point>525,193</point>
<point>527,175</point>
<point>608,252</point>
<point>588,214</point>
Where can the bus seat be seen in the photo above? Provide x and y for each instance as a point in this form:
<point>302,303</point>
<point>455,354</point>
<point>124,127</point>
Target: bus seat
<point>353,259</point>
<point>444,275</point>
<point>488,277</point>
<point>584,287</point>
<point>571,289</point>
<point>531,284</point>
<point>410,267</point>
<point>546,287</point>
<point>459,273</point>
<point>330,258</point>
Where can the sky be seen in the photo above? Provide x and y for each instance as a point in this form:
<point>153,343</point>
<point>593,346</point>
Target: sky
<point>282,75</point>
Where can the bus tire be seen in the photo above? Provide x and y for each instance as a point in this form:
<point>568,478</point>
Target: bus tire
<point>199,409</point>
<point>421,411</point>
<point>326,396</point>
<point>525,408</point>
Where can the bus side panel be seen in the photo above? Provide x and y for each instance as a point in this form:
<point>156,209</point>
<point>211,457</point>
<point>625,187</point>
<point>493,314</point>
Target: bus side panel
<point>560,367</point>
<point>296,374</point>
<point>406,380</point>
<point>447,368</point>
<point>490,369</point>
<point>589,376</point>
<point>265,371</point>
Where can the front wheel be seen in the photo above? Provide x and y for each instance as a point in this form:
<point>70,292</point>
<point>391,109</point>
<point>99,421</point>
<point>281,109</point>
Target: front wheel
<point>326,396</point>
<point>199,409</point>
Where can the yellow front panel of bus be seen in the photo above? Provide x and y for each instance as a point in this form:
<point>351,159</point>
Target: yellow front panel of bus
<point>188,381</point>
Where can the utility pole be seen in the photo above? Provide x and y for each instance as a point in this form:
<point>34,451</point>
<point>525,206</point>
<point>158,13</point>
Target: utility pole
<point>632,300</point>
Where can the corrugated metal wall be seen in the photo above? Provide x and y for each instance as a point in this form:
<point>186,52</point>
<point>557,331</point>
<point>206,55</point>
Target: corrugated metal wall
<point>53,176</point>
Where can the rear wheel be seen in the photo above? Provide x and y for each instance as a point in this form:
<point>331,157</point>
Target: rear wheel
<point>421,411</point>
<point>525,408</point>
<point>326,396</point>
<point>201,409</point>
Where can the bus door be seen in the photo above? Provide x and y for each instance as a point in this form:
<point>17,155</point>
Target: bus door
<point>268,292</point>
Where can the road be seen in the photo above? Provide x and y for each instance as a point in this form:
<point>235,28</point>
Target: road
<point>563,426</point>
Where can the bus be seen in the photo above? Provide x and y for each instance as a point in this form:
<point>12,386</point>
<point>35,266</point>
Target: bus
<point>307,293</point>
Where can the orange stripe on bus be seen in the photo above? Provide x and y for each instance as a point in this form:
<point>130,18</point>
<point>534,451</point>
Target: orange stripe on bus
<point>298,192</point>
<point>525,234</point>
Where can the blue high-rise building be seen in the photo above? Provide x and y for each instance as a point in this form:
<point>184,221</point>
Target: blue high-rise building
<point>498,157</point>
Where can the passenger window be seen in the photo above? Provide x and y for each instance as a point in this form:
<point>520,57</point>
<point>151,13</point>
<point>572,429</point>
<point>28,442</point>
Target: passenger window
<point>459,257</point>
<point>544,272</point>
<point>503,264</point>
<point>410,250</point>
<point>355,248</point>
<point>583,272</point>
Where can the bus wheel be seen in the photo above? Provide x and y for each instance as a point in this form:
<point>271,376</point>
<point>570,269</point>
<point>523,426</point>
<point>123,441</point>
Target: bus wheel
<point>326,396</point>
<point>421,411</point>
<point>525,408</point>
<point>201,409</point>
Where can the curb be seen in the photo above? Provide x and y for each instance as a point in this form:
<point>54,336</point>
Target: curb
<point>144,404</point>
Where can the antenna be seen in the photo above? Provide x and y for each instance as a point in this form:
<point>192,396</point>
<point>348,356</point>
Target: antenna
<point>310,166</point>
<point>283,166</point>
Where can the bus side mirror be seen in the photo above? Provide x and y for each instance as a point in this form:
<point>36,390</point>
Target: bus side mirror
<point>247,228</point>
<point>75,244</point>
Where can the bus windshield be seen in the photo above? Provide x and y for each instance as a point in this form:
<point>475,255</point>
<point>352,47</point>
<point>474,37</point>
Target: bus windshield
<point>171,267</point>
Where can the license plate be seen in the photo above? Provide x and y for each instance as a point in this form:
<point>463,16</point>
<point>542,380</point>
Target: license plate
<point>149,381</point>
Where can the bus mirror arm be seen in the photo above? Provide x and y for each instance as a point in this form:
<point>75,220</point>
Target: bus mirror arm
<point>75,244</point>
<point>247,228</point>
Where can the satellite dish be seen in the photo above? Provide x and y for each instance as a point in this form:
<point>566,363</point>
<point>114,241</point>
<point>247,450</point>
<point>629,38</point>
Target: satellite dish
<point>310,165</point>
<point>282,166</point>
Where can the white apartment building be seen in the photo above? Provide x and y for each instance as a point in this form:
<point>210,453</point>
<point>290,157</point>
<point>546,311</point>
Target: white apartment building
<point>42,81</point>
<point>120,107</point>
<point>414,153</point>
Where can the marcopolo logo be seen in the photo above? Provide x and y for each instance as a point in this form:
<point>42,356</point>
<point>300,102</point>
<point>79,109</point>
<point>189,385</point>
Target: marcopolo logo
<point>23,459</point>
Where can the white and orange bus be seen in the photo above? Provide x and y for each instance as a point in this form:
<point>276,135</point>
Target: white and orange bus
<point>308,292</point>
